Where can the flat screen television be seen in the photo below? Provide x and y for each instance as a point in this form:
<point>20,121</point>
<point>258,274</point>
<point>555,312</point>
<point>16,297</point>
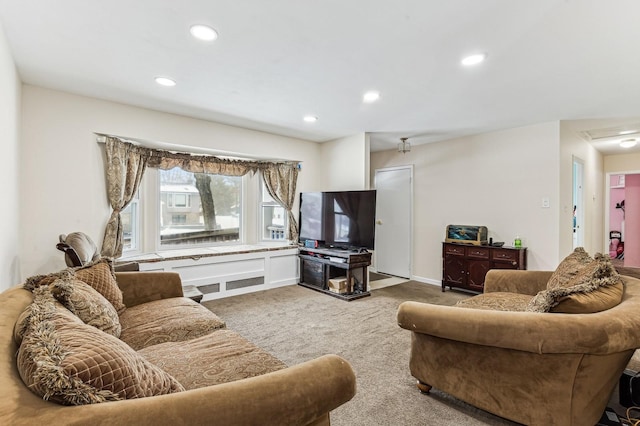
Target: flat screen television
<point>339,219</point>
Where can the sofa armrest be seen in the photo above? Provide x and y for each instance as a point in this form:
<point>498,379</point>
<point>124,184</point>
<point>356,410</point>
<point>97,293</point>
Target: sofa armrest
<point>516,281</point>
<point>614,330</point>
<point>298,395</point>
<point>141,287</point>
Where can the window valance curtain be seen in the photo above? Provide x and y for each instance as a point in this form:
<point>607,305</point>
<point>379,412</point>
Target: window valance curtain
<point>126,164</point>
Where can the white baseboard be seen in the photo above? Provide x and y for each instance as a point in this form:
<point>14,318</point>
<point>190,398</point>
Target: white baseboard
<point>427,280</point>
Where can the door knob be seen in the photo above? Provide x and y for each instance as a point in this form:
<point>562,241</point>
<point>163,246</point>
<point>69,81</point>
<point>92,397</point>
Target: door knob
<point>378,222</point>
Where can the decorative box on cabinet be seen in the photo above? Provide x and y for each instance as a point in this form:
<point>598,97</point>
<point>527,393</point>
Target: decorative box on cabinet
<point>466,266</point>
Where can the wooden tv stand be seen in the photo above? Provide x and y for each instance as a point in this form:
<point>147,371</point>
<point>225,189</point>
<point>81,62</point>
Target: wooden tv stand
<point>319,265</point>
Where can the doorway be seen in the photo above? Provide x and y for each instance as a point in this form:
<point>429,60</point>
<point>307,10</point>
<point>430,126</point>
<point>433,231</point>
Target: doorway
<point>578,202</point>
<point>394,213</point>
<point>622,220</point>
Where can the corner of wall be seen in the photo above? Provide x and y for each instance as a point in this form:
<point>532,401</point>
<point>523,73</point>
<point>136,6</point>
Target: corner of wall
<point>10,104</point>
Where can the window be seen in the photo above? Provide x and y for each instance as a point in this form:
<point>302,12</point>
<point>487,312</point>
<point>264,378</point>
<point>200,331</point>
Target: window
<point>342,223</point>
<point>273,217</point>
<point>198,208</point>
<point>179,219</point>
<point>178,200</point>
<point>131,224</point>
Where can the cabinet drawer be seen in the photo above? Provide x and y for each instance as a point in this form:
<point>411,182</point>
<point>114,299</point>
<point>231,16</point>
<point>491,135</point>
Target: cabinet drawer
<point>478,252</point>
<point>453,249</point>
<point>504,254</point>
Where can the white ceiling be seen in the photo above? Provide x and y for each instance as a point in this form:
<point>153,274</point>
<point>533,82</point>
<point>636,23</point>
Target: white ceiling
<point>278,60</point>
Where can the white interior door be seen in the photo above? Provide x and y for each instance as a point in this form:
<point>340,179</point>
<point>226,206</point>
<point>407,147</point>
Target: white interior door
<point>394,188</point>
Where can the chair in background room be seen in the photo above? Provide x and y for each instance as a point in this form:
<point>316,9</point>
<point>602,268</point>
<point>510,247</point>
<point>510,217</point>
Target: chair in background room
<point>79,249</point>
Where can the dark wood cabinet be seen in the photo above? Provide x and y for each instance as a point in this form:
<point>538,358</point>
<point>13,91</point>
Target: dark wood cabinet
<point>465,266</point>
<point>318,266</point>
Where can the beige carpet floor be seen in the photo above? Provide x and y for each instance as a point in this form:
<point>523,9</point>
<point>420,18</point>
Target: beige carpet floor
<point>297,324</point>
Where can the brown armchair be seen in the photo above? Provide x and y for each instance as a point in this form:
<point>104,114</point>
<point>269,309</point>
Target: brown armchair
<point>79,249</point>
<point>529,367</point>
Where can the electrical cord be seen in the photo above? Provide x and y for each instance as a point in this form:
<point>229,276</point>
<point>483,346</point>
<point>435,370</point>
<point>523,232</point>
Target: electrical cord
<point>631,421</point>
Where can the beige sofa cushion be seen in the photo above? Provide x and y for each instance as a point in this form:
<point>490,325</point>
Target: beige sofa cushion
<point>569,267</point>
<point>497,301</point>
<point>89,305</point>
<point>166,320</point>
<point>220,357</point>
<point>66,361</point>
<point>594,288</point>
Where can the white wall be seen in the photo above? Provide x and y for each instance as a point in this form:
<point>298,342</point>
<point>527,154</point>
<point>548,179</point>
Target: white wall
<point>495,179</point>
<point>62,168</point>
<point>345,164</point>
<point>623,163</point>
<point>10,243</point>
<point>573,145</point>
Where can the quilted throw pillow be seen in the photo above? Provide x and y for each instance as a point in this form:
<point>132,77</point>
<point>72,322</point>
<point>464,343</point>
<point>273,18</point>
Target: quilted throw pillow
<point>101,277</point>
<point>569,267</point>
<point>89,305</point>
<point>594,288</point>
<point>66,361</point>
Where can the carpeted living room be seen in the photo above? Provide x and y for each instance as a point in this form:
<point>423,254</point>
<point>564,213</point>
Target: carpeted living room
<point>294,213</point>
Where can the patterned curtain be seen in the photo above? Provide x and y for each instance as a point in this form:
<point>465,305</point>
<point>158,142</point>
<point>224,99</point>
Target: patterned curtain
<point>280,180</point>
<point>167,160</point>
<point>126,164</point>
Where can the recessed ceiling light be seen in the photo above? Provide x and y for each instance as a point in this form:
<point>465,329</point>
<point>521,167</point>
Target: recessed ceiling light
<point>310,118</point>
<point>371,97</point>
<point>165,81</point>
<point>203,32</point>
<point>628,143</point>
<point>626,132</point>
<point>474,59</point>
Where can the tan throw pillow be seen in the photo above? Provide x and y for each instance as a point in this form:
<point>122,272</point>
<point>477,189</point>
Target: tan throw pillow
<point>89,305</point>
<point>569,267</point>
<point>594,288</point>
<point>21,324</point>
<point>66,361</point>
<point>101,277</point>
<point>586,303</point>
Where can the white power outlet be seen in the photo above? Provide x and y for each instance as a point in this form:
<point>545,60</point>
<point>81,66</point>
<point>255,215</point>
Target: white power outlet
<point>545,203</point>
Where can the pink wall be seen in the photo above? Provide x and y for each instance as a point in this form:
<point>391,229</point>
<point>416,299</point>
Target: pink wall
<point>632,221</point>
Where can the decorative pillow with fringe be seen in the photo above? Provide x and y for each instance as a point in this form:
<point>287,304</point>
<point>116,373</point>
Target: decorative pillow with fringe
<point>99,274</point>
<point>596,287</point>
<point>569,267</point>
<point>89,305</point>
<point>66,361</point>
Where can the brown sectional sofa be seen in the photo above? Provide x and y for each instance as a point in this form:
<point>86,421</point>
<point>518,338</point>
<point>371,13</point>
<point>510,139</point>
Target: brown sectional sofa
<point>211,375</point>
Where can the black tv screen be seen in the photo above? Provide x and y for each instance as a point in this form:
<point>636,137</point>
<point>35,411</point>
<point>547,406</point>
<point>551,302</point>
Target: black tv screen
<point>340,219</point>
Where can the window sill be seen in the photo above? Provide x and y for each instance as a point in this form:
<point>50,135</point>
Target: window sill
<point>200,252</point>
